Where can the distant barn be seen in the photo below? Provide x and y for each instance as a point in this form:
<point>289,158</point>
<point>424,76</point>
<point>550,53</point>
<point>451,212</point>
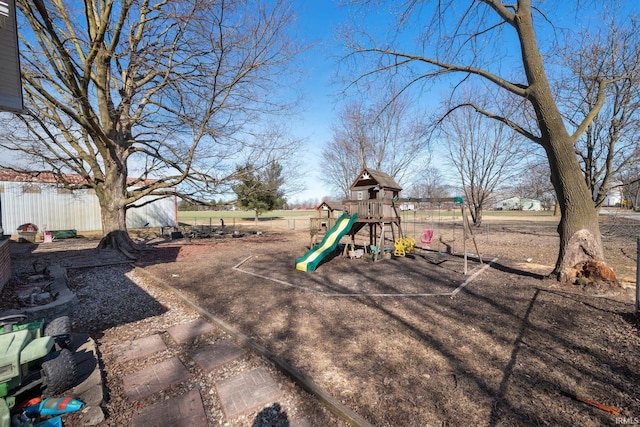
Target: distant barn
<point>41,200</point>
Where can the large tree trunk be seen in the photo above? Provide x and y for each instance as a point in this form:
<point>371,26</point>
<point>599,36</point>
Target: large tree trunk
<point>113,201</point>
<point>580,245</point>
<point>580,253</point>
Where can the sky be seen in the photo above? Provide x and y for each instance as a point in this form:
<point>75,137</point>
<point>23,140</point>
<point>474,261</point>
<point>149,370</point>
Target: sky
<point>319,21</point>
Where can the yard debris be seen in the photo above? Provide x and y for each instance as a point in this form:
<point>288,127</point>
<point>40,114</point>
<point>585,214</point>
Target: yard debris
<point>32,293</point>
<point>592,402</point>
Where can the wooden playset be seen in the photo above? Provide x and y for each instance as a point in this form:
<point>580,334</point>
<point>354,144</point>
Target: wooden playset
<point>374,205</point>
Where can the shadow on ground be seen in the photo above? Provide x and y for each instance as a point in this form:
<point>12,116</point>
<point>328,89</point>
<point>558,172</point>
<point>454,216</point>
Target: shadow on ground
<point>505,350</point>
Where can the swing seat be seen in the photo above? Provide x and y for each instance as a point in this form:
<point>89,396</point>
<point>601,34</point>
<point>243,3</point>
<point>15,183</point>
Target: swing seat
<point>426,238</point>
<point>398,248</point>
<point>409,245</point>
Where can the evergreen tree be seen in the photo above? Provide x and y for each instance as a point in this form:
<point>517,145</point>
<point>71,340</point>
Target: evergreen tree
<point>260,191</point>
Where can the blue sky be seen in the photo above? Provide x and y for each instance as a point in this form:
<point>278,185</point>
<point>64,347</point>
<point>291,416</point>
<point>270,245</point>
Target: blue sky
<point>319,21</point>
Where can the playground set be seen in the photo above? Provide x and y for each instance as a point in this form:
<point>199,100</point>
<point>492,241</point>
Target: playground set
<point>373,205</point>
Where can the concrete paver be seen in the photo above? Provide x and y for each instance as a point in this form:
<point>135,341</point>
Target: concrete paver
<point>182,411</point>
<point>239,395</point>
<point>300,422</point>
<point>89,386</point>
<point>186,332</point>
<point>217,354</point>
<point>155,378</point>
<point>247,391</point>
<point>143,347</point>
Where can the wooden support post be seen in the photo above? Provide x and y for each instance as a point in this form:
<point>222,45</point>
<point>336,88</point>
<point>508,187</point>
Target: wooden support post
<point>638,276</point>
<point>372,234</point>
<point>464,238</point>
<point>381,243</point>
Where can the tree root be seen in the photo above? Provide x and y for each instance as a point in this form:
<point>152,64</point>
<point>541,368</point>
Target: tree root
<point>120,241</point>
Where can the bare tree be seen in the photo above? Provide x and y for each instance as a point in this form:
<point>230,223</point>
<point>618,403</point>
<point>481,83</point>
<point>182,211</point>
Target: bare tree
<point>386,135</point>
<point>430,184</point>
<point>534,181</point>
<point>631,186</point>
<point>484,153</point>
<point>345,155</point>
<point>173,91</point>
<point>495,43</point>
<point>608,147</point>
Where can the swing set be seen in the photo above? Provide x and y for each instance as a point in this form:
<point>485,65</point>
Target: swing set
<point>407,245</point>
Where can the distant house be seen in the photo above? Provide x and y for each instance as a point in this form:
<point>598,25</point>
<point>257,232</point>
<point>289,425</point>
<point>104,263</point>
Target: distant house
<point>614,196</point>
<point>407,206</point>
<point>519,204</point>
<point>39,199</point>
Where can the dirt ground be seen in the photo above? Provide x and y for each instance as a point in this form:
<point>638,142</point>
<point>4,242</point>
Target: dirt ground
<point>413,340</point>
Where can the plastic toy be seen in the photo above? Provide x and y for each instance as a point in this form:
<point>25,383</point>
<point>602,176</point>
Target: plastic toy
<point>54,406</point>
<point>409,245</point>
<point>426,238</point>
<point>398,248</point>
<point>51,422</point>
<point>30,358</point>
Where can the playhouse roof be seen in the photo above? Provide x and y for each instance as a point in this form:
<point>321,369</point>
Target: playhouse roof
<point>373,177</point>
<point>332,205</point>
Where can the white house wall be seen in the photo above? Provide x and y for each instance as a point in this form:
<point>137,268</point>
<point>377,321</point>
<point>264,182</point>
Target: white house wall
<point>53,208</point>
<point>517,203</point>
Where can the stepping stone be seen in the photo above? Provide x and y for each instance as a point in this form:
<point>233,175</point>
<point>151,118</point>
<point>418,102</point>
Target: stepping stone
<point>188,331</point>
<point>181,411</point>
<point>246,392</point>
<point>215,355</point>
<point>142,347</point>
<point>155,378</point>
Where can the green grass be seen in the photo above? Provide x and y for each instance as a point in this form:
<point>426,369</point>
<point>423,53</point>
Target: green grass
<point>213,217</point>
<point>203,217</point>
<point>485,213</point>
<point>517,213</point>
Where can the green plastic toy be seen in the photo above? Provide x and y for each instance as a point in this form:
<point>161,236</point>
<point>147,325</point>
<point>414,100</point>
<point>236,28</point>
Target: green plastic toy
<point>33,355</point>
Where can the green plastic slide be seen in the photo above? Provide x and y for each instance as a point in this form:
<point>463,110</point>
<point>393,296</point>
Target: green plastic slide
<point>311,259</point>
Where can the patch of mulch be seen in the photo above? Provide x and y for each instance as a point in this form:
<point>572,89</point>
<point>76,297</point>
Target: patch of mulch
<point>510,347</point>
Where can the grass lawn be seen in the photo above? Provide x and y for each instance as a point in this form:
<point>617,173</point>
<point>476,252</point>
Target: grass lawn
<point>213,217</point>
<point>204,217</point>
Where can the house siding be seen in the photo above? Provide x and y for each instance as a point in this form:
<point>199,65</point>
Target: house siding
<point>10,83</point>
<point>519,203</point>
